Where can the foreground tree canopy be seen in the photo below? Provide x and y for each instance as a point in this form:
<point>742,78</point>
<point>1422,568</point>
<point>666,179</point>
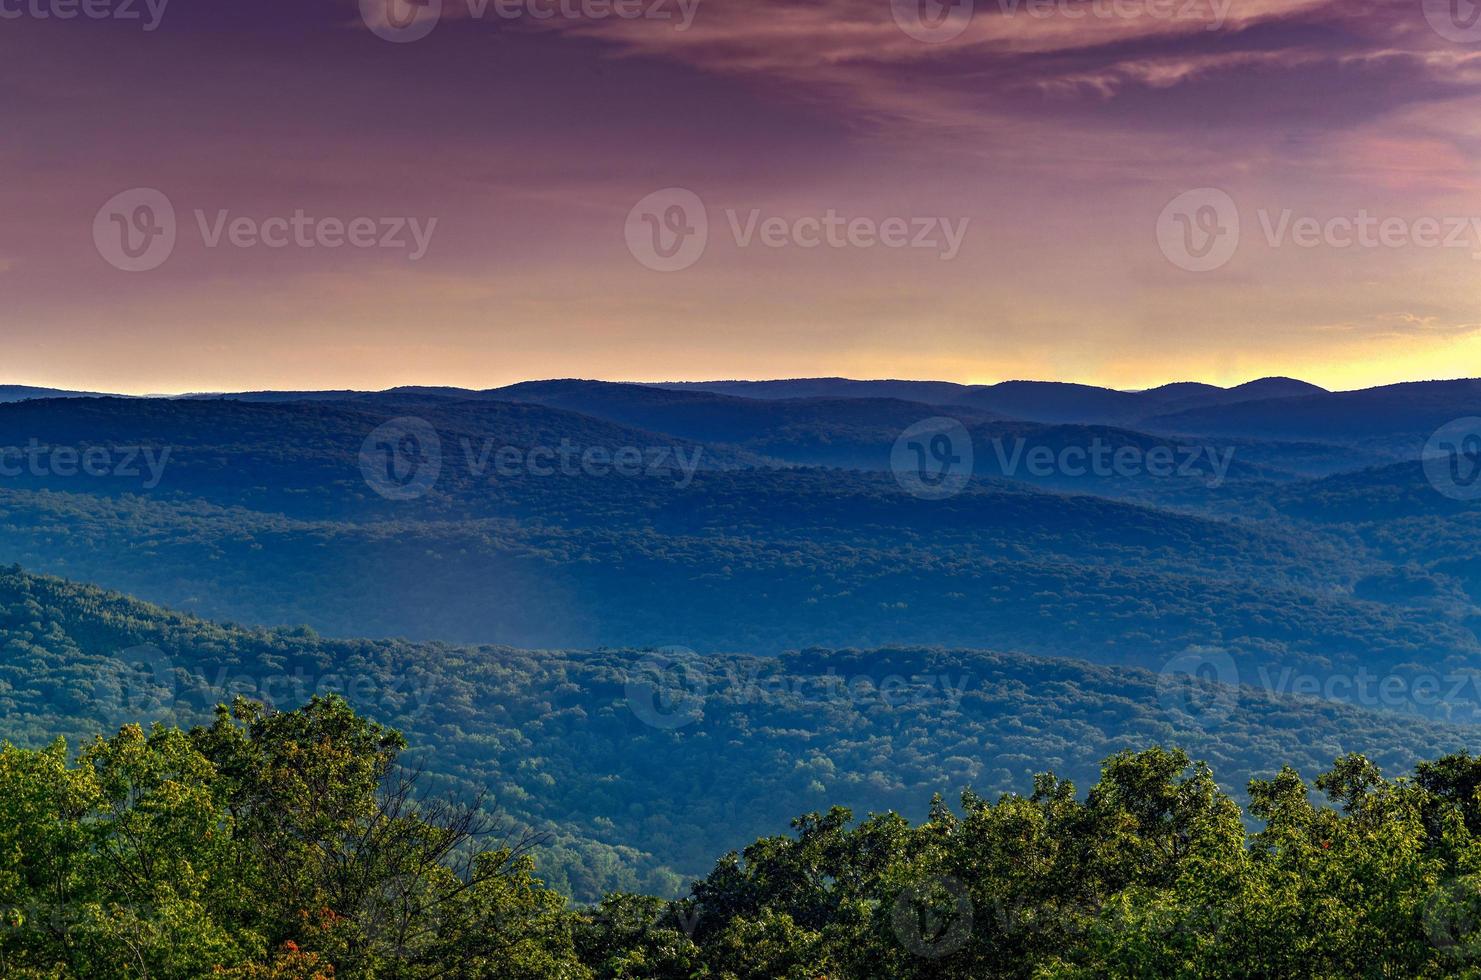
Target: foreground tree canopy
<point>297,846</point>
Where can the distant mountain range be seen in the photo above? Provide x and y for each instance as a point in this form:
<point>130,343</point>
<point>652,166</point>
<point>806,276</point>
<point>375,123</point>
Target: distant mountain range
<point>1278,428</point>
<point>1275,407</point>
<point>1035,401</point>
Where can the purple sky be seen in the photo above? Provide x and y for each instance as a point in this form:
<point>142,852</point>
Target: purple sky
<point>1021,170</point>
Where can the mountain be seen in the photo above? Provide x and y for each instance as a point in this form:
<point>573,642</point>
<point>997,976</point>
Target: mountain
<point>1036,401</point>
<point>863,432</point>
<point>1180,398</point>
<point>273,513</point>
<point>305,458</point>
<point>853,432</point>
<point>275,396</point>
<point>927,392</point>
<point>275,524</point>
<point>1401,415</point>
<point>20,393</point>
<point>500,609</point>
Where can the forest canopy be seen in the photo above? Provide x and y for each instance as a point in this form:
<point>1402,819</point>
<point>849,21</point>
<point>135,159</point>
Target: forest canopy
<point>298,845</point>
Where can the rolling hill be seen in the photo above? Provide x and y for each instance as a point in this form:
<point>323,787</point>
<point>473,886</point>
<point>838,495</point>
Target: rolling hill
<point>643,766</point>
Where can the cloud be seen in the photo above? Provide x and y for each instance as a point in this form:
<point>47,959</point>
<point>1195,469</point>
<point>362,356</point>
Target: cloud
<point>1128,89</point>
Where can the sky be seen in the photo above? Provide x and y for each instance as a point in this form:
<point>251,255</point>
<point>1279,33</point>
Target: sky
<point>335,193</point>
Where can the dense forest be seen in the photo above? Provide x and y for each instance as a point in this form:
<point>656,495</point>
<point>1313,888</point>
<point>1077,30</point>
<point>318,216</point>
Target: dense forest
<point>262,515</point>
<point>603,696</point>
<point>296,845</point>
<point>637,767</point>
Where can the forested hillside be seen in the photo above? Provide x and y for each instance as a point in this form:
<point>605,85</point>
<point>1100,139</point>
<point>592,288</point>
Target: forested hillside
<point>298,845</point>
<point>262,514</point>
<point>643,765</point>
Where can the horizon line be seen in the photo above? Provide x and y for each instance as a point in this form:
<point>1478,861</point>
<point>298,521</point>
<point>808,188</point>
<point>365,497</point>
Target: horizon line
<point>206,392</point>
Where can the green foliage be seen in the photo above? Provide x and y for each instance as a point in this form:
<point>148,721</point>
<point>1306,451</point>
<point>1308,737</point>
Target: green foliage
<point>293,846</point>
<point>624,806</point>
<point>1151,874</point>
<point>266,845</point>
